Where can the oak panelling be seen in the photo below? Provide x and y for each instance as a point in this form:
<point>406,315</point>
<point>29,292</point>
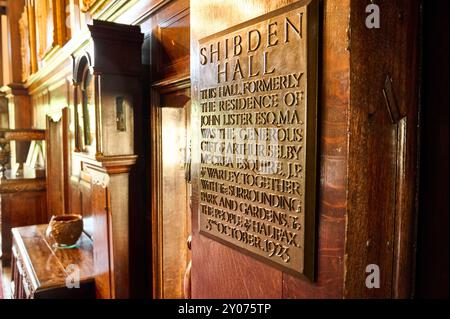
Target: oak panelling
<point>51,30</point>
<point>101,247</point>
<point>116,56</point>
<point>111,137</point>
<point>57,156</point>
<point>25,34</point>
<point>73,192</point>
<point>117,196</point>
<point>45,26</point>
<point>20,209</point>
<point>367,158</point>
<point>382,149</point>
<point>334,99</point>
<point>4,112</point>
<point>15,9</point>
<point>177,98</point>
<point>74,196</point>
<point>39,103</point>
<point>3,57</point>
<point>22,109</point>
<point>168,55</point>
<point>32,34</point>
<point>40,83</point>
<point>55,168</point>
<point>85,189</point>
<point>174,45</point>
<point>66,151</point>
<point>170,41</point>
<point>175,213</point>
<point>221,272</point>
<point>60,17</point>
<point>217,270</point>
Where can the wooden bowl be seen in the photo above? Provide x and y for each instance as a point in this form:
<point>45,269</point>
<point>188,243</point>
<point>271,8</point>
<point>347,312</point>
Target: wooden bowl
<point>65,229</point>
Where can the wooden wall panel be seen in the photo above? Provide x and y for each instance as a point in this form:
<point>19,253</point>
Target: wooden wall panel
<point>219,271</point>
<point>101,246</point>
<point>20,209</point>
<point>55,168</point>
<point>70,189</point>
<point>383,149</point>
<point>333,111</point>
<point>168,52</point>
<point>174,45</point>
<point>175,214</point>
<point>15,9</point>
<point>74,197</point>
<point>85,193</point>
<point>358,138</point>
<point>53,103</point>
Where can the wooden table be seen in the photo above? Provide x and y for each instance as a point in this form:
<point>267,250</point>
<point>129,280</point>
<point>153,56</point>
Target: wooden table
<point>39,270</point>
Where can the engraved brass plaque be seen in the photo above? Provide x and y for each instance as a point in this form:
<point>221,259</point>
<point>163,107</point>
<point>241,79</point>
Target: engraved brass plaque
<point>258,119</point>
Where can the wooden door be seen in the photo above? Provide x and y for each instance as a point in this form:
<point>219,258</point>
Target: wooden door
<point>170,135</point>
<point>367,159</point>
<point>219,271</point>
<point>174,209</point>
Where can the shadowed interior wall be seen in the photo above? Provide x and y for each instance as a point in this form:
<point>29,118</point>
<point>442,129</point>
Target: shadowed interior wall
<point>433,238</point>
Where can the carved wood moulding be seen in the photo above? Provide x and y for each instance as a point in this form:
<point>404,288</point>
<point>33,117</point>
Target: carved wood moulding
<point>22,134</point>
<point>92,5</point>
<point>22,185</point>
<point>45,27</point>
<point>25,51</point>
<point>98,175</point>
<point>117,164</point>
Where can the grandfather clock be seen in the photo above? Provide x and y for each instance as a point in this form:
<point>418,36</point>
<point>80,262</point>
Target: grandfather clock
<point>106,82</point>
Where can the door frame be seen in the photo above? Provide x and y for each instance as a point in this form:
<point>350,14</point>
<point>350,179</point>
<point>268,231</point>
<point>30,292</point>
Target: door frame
<point>157,90</point>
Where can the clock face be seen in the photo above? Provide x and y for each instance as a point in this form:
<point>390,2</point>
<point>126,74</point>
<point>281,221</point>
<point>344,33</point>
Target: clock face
<point>86,111</point>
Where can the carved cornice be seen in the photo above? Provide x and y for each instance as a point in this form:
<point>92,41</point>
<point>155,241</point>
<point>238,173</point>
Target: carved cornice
<point>17,89</point>
<point>110,10</point>
<point>99,176</point>
<point>150,11</point>
<point>173,84</point>
<point>105,166</point>
<point>117,164</point>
